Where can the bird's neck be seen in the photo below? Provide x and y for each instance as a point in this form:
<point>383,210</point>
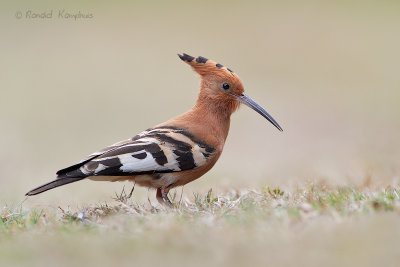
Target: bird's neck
<point>208,119</point>
<point>213,109</point>
<point>213,115</point>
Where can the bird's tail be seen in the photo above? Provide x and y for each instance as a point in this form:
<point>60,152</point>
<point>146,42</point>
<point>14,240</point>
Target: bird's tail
<point>53,184</point>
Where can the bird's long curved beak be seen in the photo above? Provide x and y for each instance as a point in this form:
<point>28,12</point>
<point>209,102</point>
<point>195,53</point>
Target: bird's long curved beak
<point>245,99</point>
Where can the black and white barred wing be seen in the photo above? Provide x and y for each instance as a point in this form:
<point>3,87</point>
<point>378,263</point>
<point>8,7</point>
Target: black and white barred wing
<point>153,151</point>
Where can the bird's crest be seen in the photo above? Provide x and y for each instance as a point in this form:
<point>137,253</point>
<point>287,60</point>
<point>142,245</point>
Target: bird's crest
<point>205,66</point>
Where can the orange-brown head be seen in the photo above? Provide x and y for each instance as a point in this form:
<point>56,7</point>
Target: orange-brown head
<point>222,88</point>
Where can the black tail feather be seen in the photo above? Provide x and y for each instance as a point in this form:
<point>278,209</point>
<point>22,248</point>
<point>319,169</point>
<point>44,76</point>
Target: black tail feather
<point>53,184</point>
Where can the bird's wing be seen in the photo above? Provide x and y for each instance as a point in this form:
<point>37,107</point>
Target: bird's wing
<point>158,150</point>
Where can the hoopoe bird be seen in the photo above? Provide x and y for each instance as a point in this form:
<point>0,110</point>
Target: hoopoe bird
<point>177,151</point>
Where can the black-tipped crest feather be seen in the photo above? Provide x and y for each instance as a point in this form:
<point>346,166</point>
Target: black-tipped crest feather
<point>186,57</point>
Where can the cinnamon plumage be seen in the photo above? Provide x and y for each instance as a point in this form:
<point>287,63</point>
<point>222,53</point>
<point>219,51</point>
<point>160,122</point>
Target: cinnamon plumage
<point>177,151</point>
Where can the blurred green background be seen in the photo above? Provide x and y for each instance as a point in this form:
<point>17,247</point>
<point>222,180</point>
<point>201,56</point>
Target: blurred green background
<point>328,71</point>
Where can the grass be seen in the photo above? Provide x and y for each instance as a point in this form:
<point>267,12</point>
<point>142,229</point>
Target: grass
<point>245,206</point>
<point>254,226</point>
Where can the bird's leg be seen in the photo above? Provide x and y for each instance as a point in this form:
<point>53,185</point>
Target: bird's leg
<point>164,194</point>
<point>162,197</point>
<point>133,188</point>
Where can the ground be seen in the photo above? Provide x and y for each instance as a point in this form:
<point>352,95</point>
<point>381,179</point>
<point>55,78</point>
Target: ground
<point>312,224</point>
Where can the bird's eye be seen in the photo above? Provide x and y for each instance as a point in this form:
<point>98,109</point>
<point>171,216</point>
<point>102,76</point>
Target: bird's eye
<point>226,86</point>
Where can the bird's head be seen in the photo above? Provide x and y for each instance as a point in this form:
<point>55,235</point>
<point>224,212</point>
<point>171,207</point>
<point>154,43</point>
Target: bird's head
<point>222,87</point>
